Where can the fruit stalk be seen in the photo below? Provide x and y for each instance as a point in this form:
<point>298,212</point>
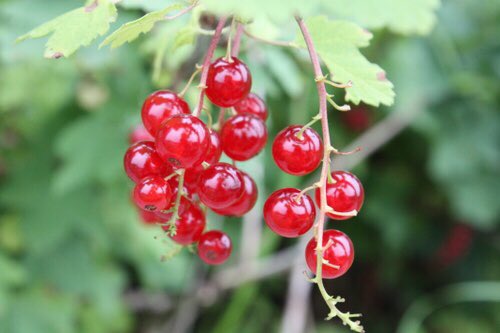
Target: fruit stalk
<point>206,64</point>
<point>325,170</point>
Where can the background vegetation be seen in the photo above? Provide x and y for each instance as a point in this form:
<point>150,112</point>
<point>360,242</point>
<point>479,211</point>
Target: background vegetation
<point>74,256</point>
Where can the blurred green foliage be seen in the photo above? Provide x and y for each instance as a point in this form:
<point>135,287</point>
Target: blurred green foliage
<point>71,244</point>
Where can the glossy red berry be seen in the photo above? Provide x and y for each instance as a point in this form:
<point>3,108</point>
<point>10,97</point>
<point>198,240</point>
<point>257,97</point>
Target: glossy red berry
<point>214,150</point>
<point>148,217</point>
<point>228,82</point>
<point>297,156</point>
<point>152,193</point>
<point>286,216</point>
<point>214,247</point>
<point>141,160</point>
<point>245,203</point>
<point>220,185</point>
<point>189,226</point>
<point>340,253</point>
<point>140,133</point>
<point>243,136</point>
<point>344,195</point>
<point>183,141</point>
<point>252,104</point>
<point>159,106</point>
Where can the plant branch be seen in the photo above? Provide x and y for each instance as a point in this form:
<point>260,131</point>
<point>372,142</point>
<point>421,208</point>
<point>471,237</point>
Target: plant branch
<point>322,95</point>
<point>206,65</point>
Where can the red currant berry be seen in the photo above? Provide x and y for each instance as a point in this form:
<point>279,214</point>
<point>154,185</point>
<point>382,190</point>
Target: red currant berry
<point>228,82</point>
<point>243,136</point>
<point>252,104</point>
<point>166,214</point>
<point>189,226</point>
<point>159,106</point>
<point>141,160</point>
<point>344,195</point>
<point>220,185</point>
<point>140,133</point>
<point>214,150</point>
<point>183,141</point>
<point>148,217</point>
<point>152,193</point>
<point>245,203</point>
<point>214,247</point>
<point>287,216</point>
<point>297,156</point>
<point>340,253</point>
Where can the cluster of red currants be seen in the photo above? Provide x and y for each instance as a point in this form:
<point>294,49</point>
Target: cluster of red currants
<point>174,159</point>
<point>289,212</point>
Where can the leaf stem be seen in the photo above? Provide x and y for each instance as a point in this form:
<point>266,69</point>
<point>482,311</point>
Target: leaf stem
<point>182,11</point>
<point>270,42</point>
<point>325,170</point>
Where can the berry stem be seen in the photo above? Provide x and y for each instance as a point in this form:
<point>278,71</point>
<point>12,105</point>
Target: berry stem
<point>300,134</point>
<point>237,40</point>
<point>230,41</point>
<point>190,81</point>
<point>325,170</point>
<point>206,64</point>
<point>175,209</point>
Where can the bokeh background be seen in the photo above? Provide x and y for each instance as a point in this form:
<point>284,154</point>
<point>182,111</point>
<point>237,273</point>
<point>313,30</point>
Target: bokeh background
<point>75,256</point>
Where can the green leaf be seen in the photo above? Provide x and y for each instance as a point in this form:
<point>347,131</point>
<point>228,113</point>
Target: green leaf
<point>338,43</point>
<point>74,29</point>
<point>401,16</point>
<point>131,30</point>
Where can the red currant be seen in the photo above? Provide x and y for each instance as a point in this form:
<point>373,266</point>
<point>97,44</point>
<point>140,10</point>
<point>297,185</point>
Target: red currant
<point>159,106</point>
<point>245,203</point>
<point>228,82</point>
<point>183,141</point>
<point>243,136</point>
<point>147,216</point>
<point>344,195</point>
<point>220,185</point>
<point>214,247</point>
<point>340,253</point>
<point>140,133</point>
<point>152,193</point>
<point>297,156</point>
<point>141,160</point>
<point>287,216</point>
<point>189,226</point>
<point>252,104</point>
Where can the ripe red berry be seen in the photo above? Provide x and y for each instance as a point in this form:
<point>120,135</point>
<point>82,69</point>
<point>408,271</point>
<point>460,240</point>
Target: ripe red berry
<point>286,216</point>
<point>220,185</point>
<point>228,82</point>
<point>140,133</point>
<point>245,203</point>
<point>297,156</point>
<point>214,247</point>
<point>189,226</point>
<point>159,106</point>
<point>358,119</point>
<point>344,195</point>
<point>243,136</point>
<point>183,141</point>
<point>214,150</point>
<point>252,104</point>
<point>141,160</point>
<point>152,193</point>
<point>148,217</point>
<point>340,253</point>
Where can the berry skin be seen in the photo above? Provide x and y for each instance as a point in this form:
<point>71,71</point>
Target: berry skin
<point>228,82</point>
<point>343,196</point>
<point>340,253</point>
<point>214,247</point>
<point>214,150</point>
<point>287,217</point>
<point>152,193</point>
<point>297,156</point>
<point>141,160</point>
<point>220,185</point>
<point>243,136</point>
<point>148,217</point>
<point>252,104</point>
<point>159,106</point>
<point>183,141</point>
<point>140,133</point>
<point>189,226</point>
<point>245,203</point>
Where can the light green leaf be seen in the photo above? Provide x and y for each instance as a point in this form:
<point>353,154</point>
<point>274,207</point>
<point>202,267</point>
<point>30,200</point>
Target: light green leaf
<point>74,29</point>
<point>338,43</point>
<point>187,34</point>
<point>131,30</point>
<point>401,16</point>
